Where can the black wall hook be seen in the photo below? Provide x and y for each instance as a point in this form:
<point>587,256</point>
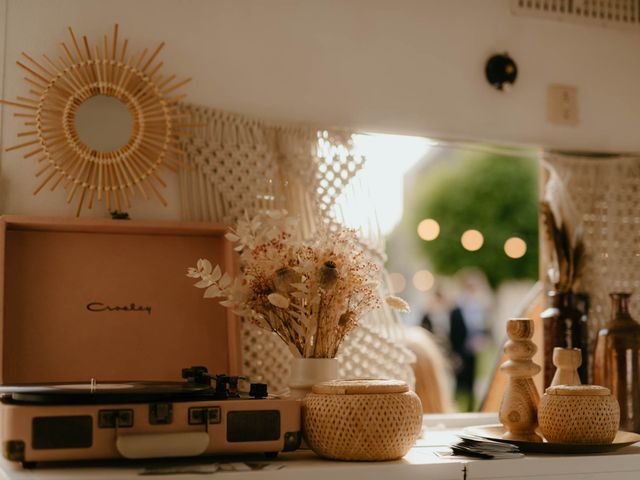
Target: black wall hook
<point>501,71</point>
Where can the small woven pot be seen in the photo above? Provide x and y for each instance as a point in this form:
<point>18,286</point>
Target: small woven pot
<point>578,414</point>
<point>368,420</point>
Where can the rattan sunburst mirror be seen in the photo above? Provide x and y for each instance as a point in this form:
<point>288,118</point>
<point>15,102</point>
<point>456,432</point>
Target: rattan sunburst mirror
<point>90,78</point>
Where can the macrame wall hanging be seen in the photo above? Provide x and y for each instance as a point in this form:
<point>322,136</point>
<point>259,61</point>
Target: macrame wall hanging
<point>239,164</point>
<point>601,195</point>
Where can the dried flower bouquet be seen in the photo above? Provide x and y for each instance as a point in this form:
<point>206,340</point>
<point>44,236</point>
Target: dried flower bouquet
<point>310,293</point>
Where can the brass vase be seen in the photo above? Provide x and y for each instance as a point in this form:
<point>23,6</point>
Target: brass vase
<point>617,361</point>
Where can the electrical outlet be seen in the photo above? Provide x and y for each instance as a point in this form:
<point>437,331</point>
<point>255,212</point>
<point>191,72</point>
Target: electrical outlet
<point>562,105</point>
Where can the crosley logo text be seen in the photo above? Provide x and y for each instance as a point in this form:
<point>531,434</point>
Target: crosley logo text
<point>101,307</point>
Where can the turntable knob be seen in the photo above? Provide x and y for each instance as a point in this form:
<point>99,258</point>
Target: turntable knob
<point>258,390</point>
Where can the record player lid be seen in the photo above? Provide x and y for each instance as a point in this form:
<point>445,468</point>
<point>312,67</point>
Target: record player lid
<point>109,299</point>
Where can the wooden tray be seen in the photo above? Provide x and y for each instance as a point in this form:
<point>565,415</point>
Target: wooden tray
<point>495,432</point>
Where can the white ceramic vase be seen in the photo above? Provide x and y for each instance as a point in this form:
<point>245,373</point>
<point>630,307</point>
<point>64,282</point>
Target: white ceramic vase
<point>306,372</point>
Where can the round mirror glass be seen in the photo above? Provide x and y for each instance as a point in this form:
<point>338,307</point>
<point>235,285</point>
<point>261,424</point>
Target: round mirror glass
<point>103,123</point>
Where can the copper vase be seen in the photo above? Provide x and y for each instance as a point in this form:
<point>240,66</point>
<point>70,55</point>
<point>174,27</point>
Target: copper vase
<point>617,361</point>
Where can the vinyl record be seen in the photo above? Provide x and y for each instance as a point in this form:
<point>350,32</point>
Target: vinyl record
<point>103,392</point>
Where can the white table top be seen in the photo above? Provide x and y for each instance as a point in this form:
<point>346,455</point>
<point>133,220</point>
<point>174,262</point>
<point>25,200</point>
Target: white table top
<point>421,462</point>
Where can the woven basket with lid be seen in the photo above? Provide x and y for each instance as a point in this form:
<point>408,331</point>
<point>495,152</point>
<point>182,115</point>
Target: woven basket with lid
<point>365,420</point>
<point>578,414</point>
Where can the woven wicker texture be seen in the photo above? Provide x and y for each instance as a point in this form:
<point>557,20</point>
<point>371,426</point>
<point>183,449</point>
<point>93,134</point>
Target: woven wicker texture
<point>578,414</point>
<point>366,427</point>
<point>353,387</point>
<point>601,196</point>
<point>240,164</point>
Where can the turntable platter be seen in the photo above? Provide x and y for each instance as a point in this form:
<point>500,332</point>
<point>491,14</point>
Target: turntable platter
<point>96,386</point>
<point>107,392</point>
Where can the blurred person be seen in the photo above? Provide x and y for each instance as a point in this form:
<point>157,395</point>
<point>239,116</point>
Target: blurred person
<point>464,358</point>
<point>460,328</point>
<point>471,335</point>
<point>448,326</point>
<point>436,317</point>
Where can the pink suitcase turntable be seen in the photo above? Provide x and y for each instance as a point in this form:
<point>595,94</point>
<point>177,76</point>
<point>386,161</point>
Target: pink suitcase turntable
<point>109,352</point>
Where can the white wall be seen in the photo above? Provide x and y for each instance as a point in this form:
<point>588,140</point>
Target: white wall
<point>398,66</point>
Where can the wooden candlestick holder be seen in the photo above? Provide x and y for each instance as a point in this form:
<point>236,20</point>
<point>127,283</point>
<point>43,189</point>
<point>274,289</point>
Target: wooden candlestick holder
<point>519,408</point>
<point>567,361</point>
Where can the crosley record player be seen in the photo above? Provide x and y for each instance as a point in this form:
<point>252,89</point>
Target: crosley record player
<point>88,303</point>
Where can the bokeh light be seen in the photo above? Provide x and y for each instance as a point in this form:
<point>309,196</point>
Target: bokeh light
<point>398,282</point>
<point>472,240</point>
<point>423,280</point>
<point>515,247</point>
<point>428,229</point>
